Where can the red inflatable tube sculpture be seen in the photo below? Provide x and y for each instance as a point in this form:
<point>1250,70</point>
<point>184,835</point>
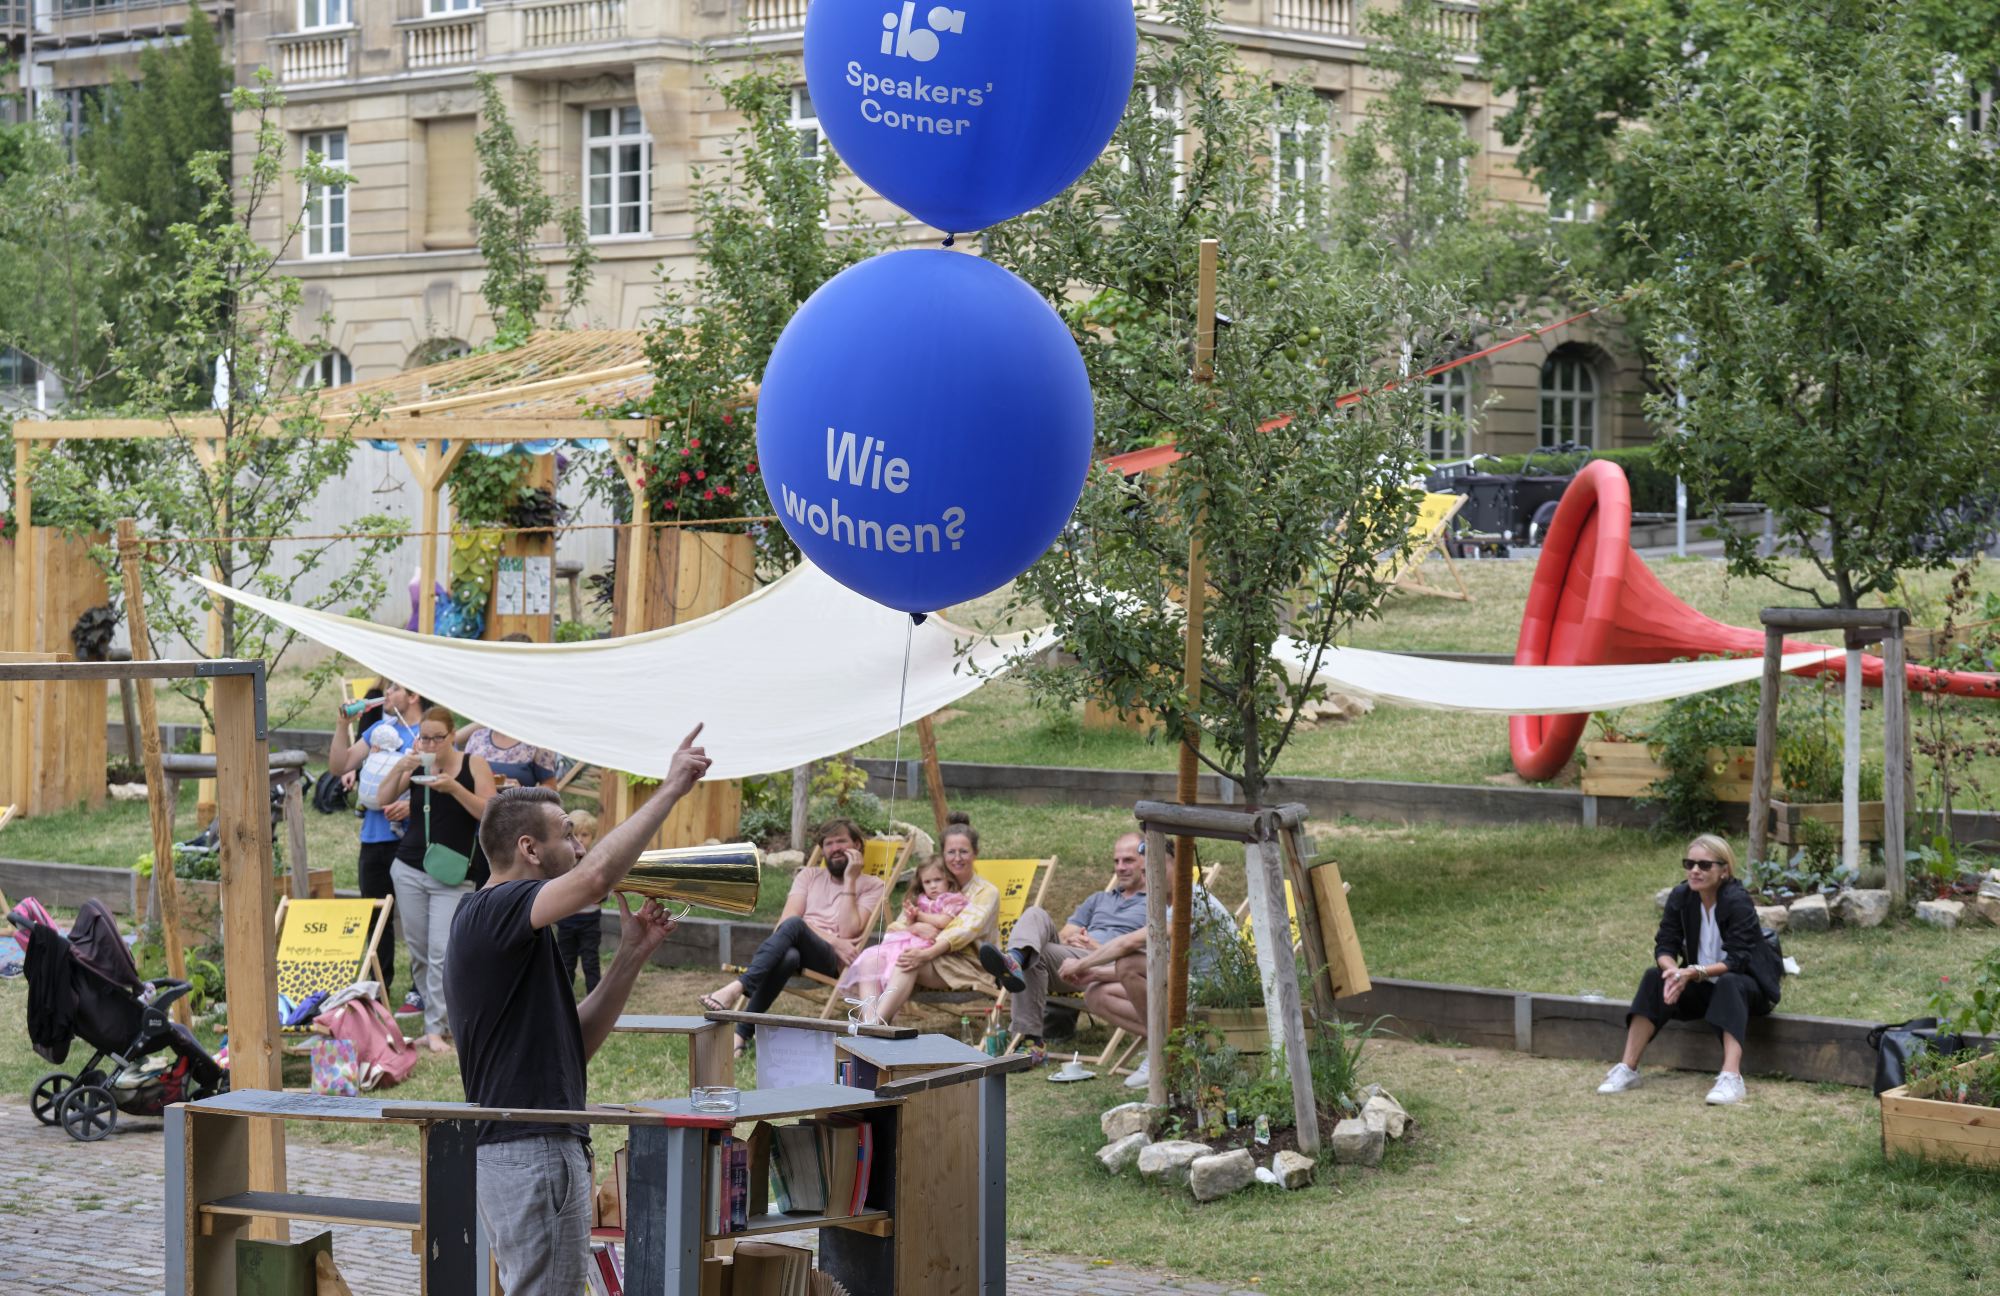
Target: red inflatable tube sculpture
<point>1595,603</point>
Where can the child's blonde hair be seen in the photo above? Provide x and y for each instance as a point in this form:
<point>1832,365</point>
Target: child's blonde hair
<point>937,862</point>
<point>585,824</point>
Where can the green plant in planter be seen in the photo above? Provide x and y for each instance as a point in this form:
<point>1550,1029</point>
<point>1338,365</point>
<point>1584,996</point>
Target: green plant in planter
<point>1681,741</point>
<point>1971,1005</point>
<point>475,556</point>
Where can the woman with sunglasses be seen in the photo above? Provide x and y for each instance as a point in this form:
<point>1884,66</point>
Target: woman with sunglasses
<point>1712,964</point>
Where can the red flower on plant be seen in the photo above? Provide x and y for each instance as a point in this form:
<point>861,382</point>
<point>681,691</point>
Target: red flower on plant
<point>753,465</point>
<point>727,420</point>
<point>684,479</point>
<point>695,444</point>
<point>672,503</point>
<point>684,450</point>
<point>708,494</point>
<point>722,491</point>
<point>701,474</point>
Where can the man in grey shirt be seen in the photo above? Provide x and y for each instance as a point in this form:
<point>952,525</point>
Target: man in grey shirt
<point>1036,950</point>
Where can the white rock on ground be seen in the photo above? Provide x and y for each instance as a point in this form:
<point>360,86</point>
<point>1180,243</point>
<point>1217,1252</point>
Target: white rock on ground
<point>1387,1113</point>
<point>1773,916</point>
<point>1940,913</point>
<point>923,848</point>
<point>1355,1142</point>
<point>1809,913</point>
<point>1294,1169</point>
<point>1987,903</point>
<point>1861,908</point>
<point>1219,1175</point>
<point>1128,1118</point>
<point>1123,1154</point>
<point>1168,1161</point>
<point>786,858</point>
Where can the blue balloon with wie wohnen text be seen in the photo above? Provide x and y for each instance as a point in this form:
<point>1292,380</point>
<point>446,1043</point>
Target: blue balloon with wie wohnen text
<point>924,428</point>
<point>969,112</point>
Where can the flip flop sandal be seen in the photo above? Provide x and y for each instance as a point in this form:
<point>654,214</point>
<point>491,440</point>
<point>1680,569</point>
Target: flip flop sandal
<point>709,1003</point>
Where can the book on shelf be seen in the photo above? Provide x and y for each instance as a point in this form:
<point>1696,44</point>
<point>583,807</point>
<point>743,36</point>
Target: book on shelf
<point>726,1204</point>
<point>821,1167</point>
<point>856,1074</point>
<point>771,1269</point>
<point>604,1275</point>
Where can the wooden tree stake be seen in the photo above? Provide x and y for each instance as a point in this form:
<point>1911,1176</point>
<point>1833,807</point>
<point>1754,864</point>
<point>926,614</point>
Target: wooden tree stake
<point>160,814</point>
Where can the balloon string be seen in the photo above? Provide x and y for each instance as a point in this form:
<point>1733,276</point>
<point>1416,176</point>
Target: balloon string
<point>902,696</point>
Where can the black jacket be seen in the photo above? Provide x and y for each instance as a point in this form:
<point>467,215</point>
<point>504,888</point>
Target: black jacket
<point>1744,948</point>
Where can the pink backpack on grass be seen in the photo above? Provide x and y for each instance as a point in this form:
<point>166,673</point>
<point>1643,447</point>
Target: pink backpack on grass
<point>382,1054</point>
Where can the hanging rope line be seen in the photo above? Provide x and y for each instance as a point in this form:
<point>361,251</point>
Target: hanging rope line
<point>661,524</point>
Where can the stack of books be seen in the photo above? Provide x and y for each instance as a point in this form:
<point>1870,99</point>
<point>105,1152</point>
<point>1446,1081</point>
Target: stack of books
<point>728,1179</point>
<point>606,1275</point>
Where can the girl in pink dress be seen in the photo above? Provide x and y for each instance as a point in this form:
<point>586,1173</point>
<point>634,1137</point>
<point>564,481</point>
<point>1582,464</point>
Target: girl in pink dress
<point>935,901</point>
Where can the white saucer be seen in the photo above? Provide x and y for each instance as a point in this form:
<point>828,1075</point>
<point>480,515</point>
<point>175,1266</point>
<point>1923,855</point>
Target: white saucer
<point>1065,1077</point>
<point>425,780</point>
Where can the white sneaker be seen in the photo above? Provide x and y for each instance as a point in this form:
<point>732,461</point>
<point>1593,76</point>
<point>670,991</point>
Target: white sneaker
<point>1619,1079</point>
<point>1139,1079</point>
<point>1728,1089</point>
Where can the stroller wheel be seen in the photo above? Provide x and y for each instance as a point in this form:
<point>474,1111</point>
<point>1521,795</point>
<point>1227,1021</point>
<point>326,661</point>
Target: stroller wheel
<point>88,1113</point>
<point>48,1094</point>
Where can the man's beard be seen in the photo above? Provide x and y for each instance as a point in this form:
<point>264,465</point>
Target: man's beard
<point>836,866</point>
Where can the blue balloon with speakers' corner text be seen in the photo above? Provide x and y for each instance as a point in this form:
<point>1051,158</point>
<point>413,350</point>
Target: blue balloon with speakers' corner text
<point>970,112</point>
<point>924,427</point>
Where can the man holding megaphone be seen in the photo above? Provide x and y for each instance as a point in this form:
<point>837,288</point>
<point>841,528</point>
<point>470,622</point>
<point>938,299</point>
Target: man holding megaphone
<point>523,1040</point>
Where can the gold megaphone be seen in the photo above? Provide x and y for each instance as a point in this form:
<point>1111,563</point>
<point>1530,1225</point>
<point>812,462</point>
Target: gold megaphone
<point>714,877</point>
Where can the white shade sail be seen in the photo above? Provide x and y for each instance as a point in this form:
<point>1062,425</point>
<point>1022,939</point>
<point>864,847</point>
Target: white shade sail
<point>800,670</point>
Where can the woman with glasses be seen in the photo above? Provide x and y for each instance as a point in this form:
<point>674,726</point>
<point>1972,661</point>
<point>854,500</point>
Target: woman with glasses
<point>1712,964</point>
<point>438,861</point>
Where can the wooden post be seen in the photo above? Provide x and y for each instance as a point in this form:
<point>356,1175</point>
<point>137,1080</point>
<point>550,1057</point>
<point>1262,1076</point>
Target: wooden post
<point>1895,758</point>
<point>295,836</point>
<point>933,774</point>
<point>430,463</point>
<point>1312,928</point>
<point>1850,756</point>
<point>636,577</point>
<point>802,776</point>
<point>1273,925</point>
<point>211,453</point>
<point>243,810</point>
<point>1156,971</point>
<point>20,762</point>
<point>1767,746</point>
<point>1187,781</point>
<point>159,812</point>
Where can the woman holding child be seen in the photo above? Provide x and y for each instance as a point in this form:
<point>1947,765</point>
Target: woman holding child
<point>1711,964</point>
<point>941,957</point>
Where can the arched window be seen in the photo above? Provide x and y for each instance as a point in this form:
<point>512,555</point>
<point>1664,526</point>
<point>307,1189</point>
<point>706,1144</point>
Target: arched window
<point>436,351</point>
<point>330,370</point>
<point>1450,394</point>
<point>1569,400</point>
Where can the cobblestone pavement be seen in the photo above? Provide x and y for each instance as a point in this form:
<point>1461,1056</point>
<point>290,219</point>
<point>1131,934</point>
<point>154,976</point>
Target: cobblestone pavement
<point>82,1219</point>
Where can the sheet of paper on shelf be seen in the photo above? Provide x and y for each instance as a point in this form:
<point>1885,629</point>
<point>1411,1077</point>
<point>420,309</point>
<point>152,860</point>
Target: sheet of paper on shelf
<point>788,1056</point>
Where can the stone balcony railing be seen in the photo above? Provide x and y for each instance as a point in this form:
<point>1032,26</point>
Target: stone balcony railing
<point>775,15</point>
<point>446,40</point>
<point>1456,20</point>
<point>571,22</point>
<point>306,57</point>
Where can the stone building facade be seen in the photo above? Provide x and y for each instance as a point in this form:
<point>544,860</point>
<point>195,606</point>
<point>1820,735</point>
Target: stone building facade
<point>616,94</point>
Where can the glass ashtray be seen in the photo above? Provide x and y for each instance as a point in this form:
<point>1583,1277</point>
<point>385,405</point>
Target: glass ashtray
<point>713,1098</point>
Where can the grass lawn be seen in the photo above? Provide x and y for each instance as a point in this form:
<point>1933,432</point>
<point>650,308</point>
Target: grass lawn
<point>1518,1177</point>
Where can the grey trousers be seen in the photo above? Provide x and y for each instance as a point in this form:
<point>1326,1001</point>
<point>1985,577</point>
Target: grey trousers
<point>427,907</point>
<point>1036,930</point>
<point>535,1202</point>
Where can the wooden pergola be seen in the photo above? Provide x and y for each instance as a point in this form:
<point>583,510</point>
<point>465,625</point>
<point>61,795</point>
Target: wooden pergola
<point>542,390</point>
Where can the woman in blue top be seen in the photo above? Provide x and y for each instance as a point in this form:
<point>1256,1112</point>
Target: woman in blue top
<point>398,711</point>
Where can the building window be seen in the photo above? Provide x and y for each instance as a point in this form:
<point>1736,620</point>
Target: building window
<point>450,6</point>
<point>1454,165</point>
<point>437,351</point>
<point>75,107</point>
<point>805,120</point>
<point>451,181</point>
<point>326,204</point>
<point>617,172</point>
<point>1302,163</point>
<point>1450,394</point>
<point>317,14</point>
<point>1569,401</point>
<point>330,370</point>
<point>17,368</point>
<point>1574,210</point>
<point>1165,109</point>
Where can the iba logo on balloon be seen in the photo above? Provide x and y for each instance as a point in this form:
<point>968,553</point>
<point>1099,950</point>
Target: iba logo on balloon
<point>924,425</point>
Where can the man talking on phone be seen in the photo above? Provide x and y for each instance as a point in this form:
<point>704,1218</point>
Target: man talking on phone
<point>820,929</point>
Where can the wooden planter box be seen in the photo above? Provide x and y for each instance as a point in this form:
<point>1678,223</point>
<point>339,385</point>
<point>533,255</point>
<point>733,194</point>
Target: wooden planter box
<point>1627,769</point>
<point>1940,1131</point>
<point>1921,642</point>
<point>1786,816</point>
<point>1097,717</point>
<point>1243,1029</point>
<point>55,760</point>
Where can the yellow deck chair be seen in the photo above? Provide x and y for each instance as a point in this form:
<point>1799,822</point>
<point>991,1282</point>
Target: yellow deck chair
<point>1427,536</point>
<point>881,857</point>
<point>328,945</point>
<point>1248,930</point>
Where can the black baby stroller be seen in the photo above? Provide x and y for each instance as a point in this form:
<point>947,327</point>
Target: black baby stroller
<point>87,987</point>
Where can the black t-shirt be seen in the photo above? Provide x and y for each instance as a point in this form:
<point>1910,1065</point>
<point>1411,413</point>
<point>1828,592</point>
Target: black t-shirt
<point>451,823</point>
<point>519,1041</point>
